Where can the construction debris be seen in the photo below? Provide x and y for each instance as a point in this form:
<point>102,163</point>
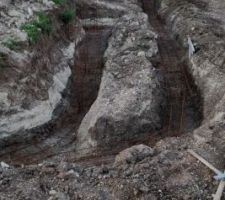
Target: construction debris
<point>220,175</point>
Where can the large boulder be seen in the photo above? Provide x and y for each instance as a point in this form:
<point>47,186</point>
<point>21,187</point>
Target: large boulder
<point>131,96</point>
<point>133,154</point>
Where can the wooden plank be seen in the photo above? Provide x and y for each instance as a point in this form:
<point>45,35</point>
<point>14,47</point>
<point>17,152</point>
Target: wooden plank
<point>221,186</point>
<point>219,191</point>
<point>205,162</point>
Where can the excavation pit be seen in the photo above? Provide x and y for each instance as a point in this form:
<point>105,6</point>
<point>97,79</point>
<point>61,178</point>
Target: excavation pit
<point>183,113</point>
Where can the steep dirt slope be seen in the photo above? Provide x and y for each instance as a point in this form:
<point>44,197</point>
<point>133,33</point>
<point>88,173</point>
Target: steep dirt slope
<point>33,76</point>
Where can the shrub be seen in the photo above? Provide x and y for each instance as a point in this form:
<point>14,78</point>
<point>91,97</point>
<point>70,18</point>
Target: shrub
<point>68,16</point>
<point>42,24</point>
<point>32,31</point>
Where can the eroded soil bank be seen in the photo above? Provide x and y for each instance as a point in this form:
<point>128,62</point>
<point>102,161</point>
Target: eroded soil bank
<point>82,91</point>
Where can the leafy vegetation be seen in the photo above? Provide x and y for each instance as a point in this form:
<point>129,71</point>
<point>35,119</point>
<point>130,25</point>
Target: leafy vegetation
<point>12,43</point>
<point>32,32</point>
<point>42,24</point>
<point>68,16</point>
<point>59,2</point>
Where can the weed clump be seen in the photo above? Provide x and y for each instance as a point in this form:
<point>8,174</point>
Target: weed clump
<point>68,16</point>
<point>41,24</point>
<point>12,43</point>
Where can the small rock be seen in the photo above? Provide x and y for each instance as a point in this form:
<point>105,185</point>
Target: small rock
<point>72,173</point>
<point>149,197</point>
<point>48,170</point>
<point>4,165</point>
<point>133,154</point>
<point>52,192</point>
<point>141,53</point>
<point>64,167</point>
<point>144,189</point>
<point>62,196</point>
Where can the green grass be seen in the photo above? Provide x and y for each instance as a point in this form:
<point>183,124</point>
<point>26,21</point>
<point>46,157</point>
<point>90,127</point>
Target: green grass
<point>12,43</point>
<point>32,31</point>
<point>41,24</point>
<point>68,16</point>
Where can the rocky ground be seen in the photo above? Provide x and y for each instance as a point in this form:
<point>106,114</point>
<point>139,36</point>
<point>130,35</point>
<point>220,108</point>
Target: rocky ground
<point>132,103</point>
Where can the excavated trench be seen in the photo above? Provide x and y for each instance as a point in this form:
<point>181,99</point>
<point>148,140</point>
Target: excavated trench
<point>184,112</point>
<point>184,98</point>
<point>82,92</point>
